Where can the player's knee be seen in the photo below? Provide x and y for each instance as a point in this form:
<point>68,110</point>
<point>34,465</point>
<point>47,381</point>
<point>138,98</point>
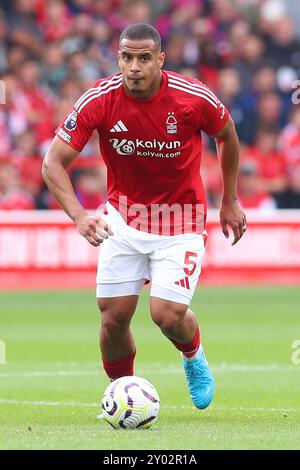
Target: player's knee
<point>114,322</point>
<point>168,319</point>
<point>114,328</point>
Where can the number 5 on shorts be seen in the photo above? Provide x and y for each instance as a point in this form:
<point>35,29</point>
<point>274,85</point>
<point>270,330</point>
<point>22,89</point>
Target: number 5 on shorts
<point>191,263</point>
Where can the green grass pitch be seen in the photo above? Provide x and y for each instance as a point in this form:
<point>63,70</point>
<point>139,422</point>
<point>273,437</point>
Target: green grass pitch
<point>52,383</point>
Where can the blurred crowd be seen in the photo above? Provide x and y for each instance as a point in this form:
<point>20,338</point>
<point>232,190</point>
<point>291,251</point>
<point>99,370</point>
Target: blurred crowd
<point>246,51</point>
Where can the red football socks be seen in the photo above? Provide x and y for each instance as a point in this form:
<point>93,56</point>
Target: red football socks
<point>191,348</point>
<point>120,367</point>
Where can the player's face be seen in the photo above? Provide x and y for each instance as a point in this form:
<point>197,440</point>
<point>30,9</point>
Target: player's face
<point>141,62</point>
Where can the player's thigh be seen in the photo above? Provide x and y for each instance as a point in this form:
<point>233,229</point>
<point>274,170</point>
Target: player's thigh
<point>175,268</point>
<point>120,277</point>
<point>117,309</point>
<point>119,262</point>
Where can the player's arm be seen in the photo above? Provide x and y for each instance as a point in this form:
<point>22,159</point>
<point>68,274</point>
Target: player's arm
<point>57,159</point>
<point>231,214</point>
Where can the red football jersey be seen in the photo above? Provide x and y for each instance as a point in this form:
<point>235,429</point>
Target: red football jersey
<point>152,148</point>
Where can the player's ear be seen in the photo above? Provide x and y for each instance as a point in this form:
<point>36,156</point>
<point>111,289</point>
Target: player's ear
<point>161,59</point>
<point>119,58</point>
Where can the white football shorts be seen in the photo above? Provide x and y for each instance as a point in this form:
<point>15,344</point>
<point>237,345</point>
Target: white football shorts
<point>131,257</point>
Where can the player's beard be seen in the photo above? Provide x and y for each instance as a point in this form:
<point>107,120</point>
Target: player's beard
<point>140,88</point>
<point>137,91</point>
<point>135,87</point>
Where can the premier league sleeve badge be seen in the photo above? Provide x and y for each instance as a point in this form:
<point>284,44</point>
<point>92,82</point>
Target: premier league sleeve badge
<point>71,122</point>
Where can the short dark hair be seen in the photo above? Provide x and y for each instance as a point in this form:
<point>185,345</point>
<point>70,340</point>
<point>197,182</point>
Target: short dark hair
<point>141,31</point>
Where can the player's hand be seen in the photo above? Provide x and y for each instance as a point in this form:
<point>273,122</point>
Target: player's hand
<point>232,214</point>
<point>94,229</point>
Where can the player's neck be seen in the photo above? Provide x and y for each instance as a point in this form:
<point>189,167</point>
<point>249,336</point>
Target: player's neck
<point>147,94</point>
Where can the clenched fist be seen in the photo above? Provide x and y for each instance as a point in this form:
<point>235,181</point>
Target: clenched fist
<point>94,229</point>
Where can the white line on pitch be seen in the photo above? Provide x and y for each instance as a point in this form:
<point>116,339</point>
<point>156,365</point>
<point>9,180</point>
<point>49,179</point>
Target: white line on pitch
<point>172,369</point>
<point>171,407</point>
<point>46,403</point>
<point>50,373</point>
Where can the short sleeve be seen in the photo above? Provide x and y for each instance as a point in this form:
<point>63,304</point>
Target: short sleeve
<point>78,125</point>
<point>213,114</point>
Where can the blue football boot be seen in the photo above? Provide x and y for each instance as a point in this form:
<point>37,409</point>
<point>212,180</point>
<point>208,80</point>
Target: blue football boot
<point>200,380</point>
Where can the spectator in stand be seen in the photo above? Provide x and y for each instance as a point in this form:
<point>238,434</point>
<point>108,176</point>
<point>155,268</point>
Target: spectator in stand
<point>262,84</point>
<point>53,19</point>
<point>175,52</point>
<point>289,140</point>
<point>264,81</point>
<point>38,103</point>
<point>3,43</point>
<point>129,11</point>
<point>179,17</point>
<point>12,197</point>
<point>82,69</point>
<point>292,10</point>
<point>271,165</point>
<point>210,63</point>
<point>292,197</point>
<point>24,28</point>
<point>97,8</point>
<point>230,92</point>
<point>16,56</point>
<point>28,163</point>
<point>100,51</point>
<point>90,187</point>
<point>211,177</point>
<point>269,108</point>
<point>69,91</point>
<point>252,194</point>
<point>54,69</point>
<point>237,35</point>
<point>282,45</point>
<point>250,57</point>
<point>224,14</point>
<point>13,119</point>
<point>206,59</point>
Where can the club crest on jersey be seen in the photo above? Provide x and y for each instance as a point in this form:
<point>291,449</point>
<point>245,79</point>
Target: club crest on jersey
<point>171,123</point>
<point>71,122</point>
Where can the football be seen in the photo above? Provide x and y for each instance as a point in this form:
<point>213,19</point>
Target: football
<point>130,402</point>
